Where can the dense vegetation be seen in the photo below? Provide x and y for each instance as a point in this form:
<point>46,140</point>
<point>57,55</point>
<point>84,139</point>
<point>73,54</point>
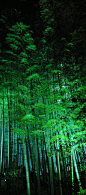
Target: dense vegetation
<point>42,96</point>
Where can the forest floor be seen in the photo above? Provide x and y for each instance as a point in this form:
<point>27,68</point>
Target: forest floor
<point>11,190</point>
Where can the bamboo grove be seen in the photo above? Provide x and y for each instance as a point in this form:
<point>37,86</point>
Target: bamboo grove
<point>42,103</point>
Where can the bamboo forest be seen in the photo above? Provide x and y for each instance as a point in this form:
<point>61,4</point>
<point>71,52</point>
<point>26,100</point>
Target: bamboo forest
<point>43,100</point>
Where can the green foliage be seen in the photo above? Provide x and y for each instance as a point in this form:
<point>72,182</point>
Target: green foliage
<point>21,48</point>
<point>9,16</point>
<point>82,192</point>
<point>13,173</point>
<point>56,71</point>
<point>28,117</point>
<point>38,133</point>
<point>34,76</point>
<point>31,47</point>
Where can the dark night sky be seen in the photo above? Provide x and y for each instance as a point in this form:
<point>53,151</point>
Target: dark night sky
<point>25,6</point>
